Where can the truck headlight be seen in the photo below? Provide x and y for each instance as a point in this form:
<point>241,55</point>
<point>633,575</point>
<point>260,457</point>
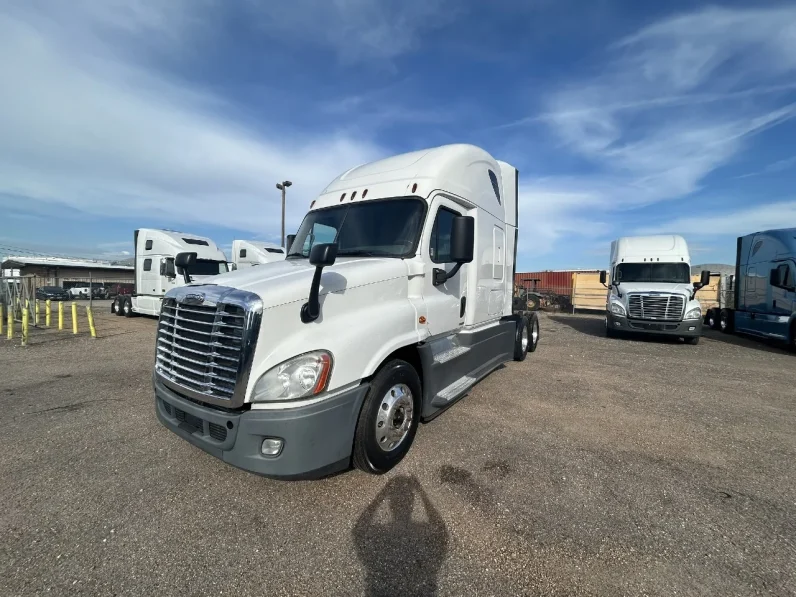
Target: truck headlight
<point>617,309</point>
<point>695,313</point>
<point>305,375</point>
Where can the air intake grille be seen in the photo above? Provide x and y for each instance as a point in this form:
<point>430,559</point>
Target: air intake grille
<point>200,347</point>
<point>658,307</point>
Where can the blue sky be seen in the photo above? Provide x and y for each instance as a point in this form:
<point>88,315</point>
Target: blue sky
<point>623,117</point>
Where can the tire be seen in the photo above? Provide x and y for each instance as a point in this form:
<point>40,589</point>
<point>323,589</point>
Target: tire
<point>127,308</point>
<point>713,320</point>
<point>533,324</point>
<point>522,339</point>
<point>119,302</point>
<point>792,344</point>
<point>393,390</point>
<point>533,303</point>
<point>692,341</point>
<point>726,323</point>
<point>609,331</point>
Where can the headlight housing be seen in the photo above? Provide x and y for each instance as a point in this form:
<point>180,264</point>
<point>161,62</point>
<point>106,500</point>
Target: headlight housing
<point>302,376</point>
<point>695,313</point>
<point>617,308</point>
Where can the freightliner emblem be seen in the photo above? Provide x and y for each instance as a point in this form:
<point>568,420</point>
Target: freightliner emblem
<point>193,299</point>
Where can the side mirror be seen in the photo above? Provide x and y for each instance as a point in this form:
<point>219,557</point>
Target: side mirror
<point>289,242</point>
<point>233,266</point>
<point>183,261</point>
<point>321,255</point>
<point>603,277</point>
<point>705,279</point>
<point>462,239</point>
<point>773,277</point>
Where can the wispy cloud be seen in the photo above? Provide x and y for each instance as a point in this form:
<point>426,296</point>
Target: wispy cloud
<point>773,167</point>
<point>671,104</point>
<point>86,126</point>
<point>730,222</point>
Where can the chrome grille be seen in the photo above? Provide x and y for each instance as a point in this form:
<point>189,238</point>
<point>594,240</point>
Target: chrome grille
<point>204,347</point>
<point>658,307</point>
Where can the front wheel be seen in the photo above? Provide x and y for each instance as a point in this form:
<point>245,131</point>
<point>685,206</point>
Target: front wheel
<point>713,319</point>
<point>388,420</point>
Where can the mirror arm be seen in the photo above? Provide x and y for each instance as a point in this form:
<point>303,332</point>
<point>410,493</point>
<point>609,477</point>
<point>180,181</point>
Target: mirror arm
<point>311,310</point>
<point>441,276</point>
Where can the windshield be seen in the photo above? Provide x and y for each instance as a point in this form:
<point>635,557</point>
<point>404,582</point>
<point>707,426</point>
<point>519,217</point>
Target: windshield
<point>668,273</point>
<point>381,228</point>
<point>207,267</point>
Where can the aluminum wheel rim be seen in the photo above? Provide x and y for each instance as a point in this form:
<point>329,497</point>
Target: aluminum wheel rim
<point>394,420</point>
<point>723,323</point>
<point>126,308</point>
<point>535,332</point>
<point>524,338</point>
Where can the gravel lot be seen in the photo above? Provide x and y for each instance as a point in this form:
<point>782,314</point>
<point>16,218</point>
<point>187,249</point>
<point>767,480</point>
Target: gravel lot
<point>596,467</point>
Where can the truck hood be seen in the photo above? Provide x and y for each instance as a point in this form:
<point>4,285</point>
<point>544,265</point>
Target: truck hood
<point>281,282</point>
<point>630,287</point>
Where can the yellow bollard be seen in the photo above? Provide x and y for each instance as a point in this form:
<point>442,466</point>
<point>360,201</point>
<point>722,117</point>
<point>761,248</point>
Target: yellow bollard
<point>91,327</point>
<point>60,316</point>
<point>47,312</point>
<point>74,318</point>
<point>11,324</point>
<point>25,316</point>
<point>36,313</point>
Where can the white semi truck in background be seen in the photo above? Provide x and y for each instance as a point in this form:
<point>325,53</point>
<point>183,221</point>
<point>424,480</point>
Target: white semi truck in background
<point>650,288</point>
<point>247,253</point>
<point>395,298</point>
<point>156,271</point>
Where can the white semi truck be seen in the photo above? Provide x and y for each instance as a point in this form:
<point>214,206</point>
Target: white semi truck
<point>395,298</point>
<point>650,288</point>
<point>246,253</point>
<point>156,272</point>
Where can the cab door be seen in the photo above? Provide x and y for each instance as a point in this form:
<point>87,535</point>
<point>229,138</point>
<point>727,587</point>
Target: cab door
<point>444,303</point>
<point>782,299</point>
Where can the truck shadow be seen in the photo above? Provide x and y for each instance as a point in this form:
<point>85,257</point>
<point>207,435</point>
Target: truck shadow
<point>402,554</point>
<point>595,326</point>
<point>752,342</point>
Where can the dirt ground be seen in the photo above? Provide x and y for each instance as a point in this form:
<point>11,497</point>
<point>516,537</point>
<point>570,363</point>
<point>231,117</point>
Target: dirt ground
<point>596,467</point>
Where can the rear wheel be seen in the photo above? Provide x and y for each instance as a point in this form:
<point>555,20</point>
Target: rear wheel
<point>118,302</point>
<point>533,302</point>
<point>127,308</point>
<point>792,344</point>
<point>522,339</point>
<point>388,420</point>
<point>713,319</point>
<point>534,328</point>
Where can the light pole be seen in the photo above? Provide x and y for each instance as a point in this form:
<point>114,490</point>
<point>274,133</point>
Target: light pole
<point>282,186</point>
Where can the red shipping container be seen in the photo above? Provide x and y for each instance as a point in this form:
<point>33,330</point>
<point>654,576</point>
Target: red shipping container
<point>554,282</point>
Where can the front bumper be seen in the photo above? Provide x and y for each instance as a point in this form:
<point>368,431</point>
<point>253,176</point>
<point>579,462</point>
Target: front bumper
<point>317,438</point>
<point>684,329</point>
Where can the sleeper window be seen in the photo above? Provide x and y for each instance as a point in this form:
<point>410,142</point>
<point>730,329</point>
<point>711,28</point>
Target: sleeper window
<point>440,245</point>
<point>243,253</point>
<point>148,245</point>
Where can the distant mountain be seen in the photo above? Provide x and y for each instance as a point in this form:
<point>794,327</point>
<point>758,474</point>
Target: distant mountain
<point>714,268</point>
<point>130,262</point>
